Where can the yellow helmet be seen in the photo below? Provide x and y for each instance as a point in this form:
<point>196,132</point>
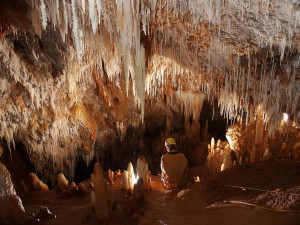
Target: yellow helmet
<point>170,141</point>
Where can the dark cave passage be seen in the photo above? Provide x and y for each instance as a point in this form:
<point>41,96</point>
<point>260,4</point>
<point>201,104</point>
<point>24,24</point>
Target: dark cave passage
<point>217,124</point>
<point>83,171</point>
<point>17,163</point>
<point>151,144</point>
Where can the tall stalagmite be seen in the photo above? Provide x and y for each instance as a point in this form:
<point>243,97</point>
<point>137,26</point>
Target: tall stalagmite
<point>101,194</point>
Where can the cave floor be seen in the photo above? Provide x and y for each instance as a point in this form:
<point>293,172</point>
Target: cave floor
<point>270,196</point>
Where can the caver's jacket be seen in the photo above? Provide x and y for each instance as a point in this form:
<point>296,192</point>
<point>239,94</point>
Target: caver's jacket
<point>174,169</point>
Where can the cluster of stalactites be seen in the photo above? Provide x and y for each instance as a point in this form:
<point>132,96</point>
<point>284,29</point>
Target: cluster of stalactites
<point>232,72</point>
<point>48,135</point>
<point>103,31</point>
<point>88,20</point>
<point>247,91</point>
<point>109,32</point>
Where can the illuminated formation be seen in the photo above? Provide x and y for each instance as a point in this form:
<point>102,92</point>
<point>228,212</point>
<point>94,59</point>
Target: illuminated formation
<point>131,177</point>
<point>77,75</point>
<point>35,184</point>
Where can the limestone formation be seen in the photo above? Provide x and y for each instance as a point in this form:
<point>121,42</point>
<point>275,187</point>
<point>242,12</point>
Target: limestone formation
<point>110,175</point>
<point>62,183</point>
<point>101,194</point>
<point>11,208</point>
<point>35,184</point>
<point>142,170</point>
<point>226,162</point>
<point>44,214</point>
<point>119,173</point>
<point>75,82</point>
<point>125,184</point>
<point>131,177</point>
<point>73,186</point>
<point>82,190</point>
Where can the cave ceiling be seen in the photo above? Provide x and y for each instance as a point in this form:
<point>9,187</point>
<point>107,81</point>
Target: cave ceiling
<point>77,74</point>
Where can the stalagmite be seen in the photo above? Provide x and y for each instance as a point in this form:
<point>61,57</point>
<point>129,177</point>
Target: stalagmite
<point>149,180</point>
<point>222,167</point>
<point>73,187</point>
<point>125,184</point>
<point>142,170</point>
<point>266,156</point>
<point>212,145</point>
<point>82,190</point>
<point>226,162</point>
<point>62,183</point>
<point>35,184</point>
<point>119,173</point>
<point>131,176</point>
<point>110,175</point>
<point>218,143</point>
<point>101,194</point>
<point>241,160</point>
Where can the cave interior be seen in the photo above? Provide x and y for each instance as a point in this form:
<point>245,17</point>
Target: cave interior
<point>101,82</point>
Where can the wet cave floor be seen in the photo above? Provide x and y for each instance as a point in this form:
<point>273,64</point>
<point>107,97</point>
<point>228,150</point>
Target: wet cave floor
<point>262,193</point>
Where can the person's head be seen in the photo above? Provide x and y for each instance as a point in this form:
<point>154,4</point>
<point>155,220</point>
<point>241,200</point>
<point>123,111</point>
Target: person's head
<point>170,144</point>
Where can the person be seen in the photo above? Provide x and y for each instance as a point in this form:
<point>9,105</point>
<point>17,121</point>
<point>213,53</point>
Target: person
<point>174,166</point>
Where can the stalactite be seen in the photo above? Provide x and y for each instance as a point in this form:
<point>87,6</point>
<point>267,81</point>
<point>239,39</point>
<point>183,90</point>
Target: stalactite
<point>93,15</point>
<point>44,14</point>
<point>77,32</point>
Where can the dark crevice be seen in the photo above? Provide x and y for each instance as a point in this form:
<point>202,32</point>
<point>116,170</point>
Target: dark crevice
<point>217,124</point>
<point>82,171</point>
<point>18,164</point>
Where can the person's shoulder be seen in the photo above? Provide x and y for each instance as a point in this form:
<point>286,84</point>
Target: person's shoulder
<point>182,155</point>
<point>163,156</point>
